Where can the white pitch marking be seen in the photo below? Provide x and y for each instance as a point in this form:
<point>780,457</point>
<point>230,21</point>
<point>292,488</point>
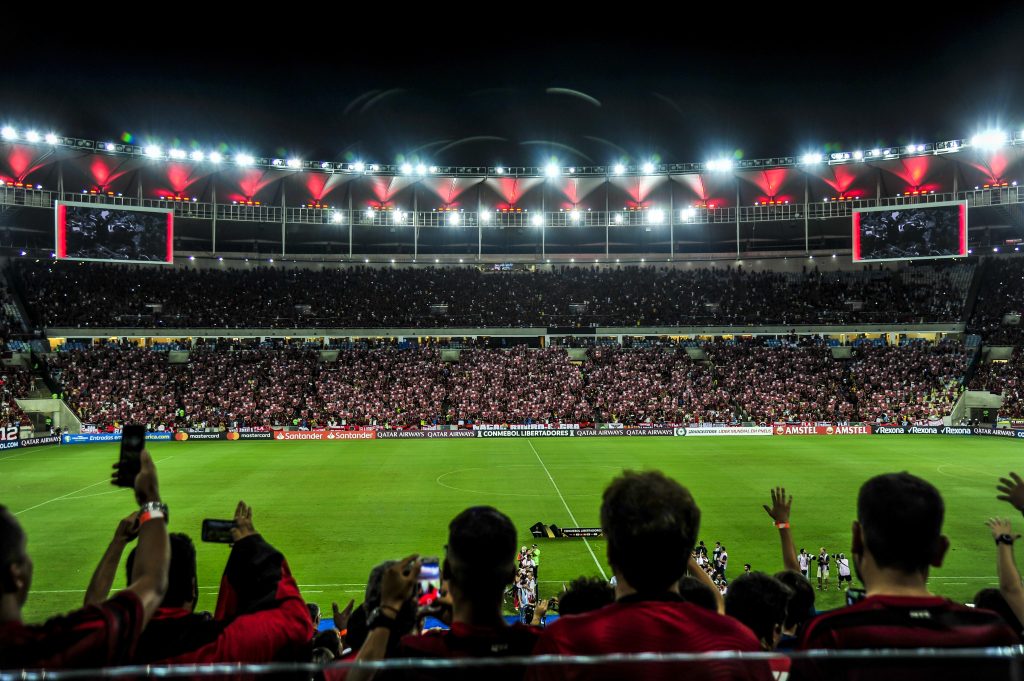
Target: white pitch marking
<point>571,516</point>
<point>65,496</point>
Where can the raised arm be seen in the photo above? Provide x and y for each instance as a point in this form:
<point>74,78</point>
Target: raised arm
<point>779,513</point>
<point>103,578</point>
<point>397,586</point>
<point>695,570</point>
<point>1009,578</point>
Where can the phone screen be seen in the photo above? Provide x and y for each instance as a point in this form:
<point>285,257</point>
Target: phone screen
<point>854,595</point>
<point>217,531</point>
<point>133,439</point>
<point>430,580</point>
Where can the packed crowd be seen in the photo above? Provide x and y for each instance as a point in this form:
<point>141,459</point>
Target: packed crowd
<point>660,599</point>
<point>247,384</point>
<point>14,382</point>
<point>1005,379</point>
<point>61,294</point>
<point>1000,293</point>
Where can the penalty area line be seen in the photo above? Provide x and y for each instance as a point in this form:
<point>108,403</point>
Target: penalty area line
<point>569,510</point>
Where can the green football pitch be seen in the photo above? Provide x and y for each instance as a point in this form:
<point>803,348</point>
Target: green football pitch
<point>336,509</point>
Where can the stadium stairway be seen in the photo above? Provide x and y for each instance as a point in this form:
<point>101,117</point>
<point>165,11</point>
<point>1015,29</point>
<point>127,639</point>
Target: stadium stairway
<point>972,292</point>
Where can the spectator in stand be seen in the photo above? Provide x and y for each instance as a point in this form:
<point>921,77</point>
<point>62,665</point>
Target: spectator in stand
<point>98,635</point>
<point>585,594</point>
<point>799,610</point>
<point>897,537</point>
<point>651,524</point>
<point>759,601</point>
<point>479,564</point>
<point>260,614</point>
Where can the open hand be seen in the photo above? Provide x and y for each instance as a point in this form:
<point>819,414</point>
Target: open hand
<point>779,510</point>
<point>243,522</point>
<point>999,527</point>
<point>1012,490</point>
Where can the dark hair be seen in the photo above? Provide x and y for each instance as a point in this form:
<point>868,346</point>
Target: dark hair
<point>801,604</point>
<point>328,639</point>
<point>12,539</point>
<point>650,522</point>
<point>697,592</point>
<point>182,581</point>
<point>992,599</point>
<point>585,594</point>
<point>758,601</point>
<point>901,518</point>
<point>481,551</point>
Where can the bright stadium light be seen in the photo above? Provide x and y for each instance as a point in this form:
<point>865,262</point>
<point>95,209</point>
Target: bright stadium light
<point>244,159</point>
<point>499,170</point>
<point>294,163</point>
<point>336,217</point>
<point>152,151</point>
<point>990,139</point>
<point>359,166</point>
<point>648,168</point>
<point>110,146</point>
<point>574,215</point>
<point>454,219</point>
<point>618,218</point>
<point>197,156</point>
<point>421,169</point>
<point>810,159</point>
<point>537,220</point>
<point>369,213</point>
<point>278,162</point>
<point>858,155</point>
<point>405,168</point>
<point>215,157</point>
<point>433,169</point>
<point>8,133</point>
<point>485,217</point>
<point>618,169</point>
<point>325,165</point>
<point>552,170</point>
<point>687,214</point>
<point>177,154</point>
<point>398,217</point>
<point>51,138</point>
<point>32,136</point>
<point>722,165</point>
<point>374,167</point>
<point>656,216</point>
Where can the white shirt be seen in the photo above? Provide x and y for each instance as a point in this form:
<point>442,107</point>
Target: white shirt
<point>804,560</point>
<point>844,566</point>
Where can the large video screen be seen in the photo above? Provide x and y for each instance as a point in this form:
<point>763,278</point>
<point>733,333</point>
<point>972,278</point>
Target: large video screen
<point>934,230</point>
<point>94,231</point>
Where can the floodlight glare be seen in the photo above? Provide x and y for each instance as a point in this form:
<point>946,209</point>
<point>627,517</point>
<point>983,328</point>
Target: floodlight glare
<point>990,139</point>
<point>369,213</point>
<point>152,150</point>
<point>51,138</point>
<point>551,170</point>
<point>325,165</point>
<point>244,159</point>
<point>499,170</point>
<point>485,217</point>
<point>687,214</point>
<point>278,162</point>
<point>177,154</point>
<point>197,156</point>
<point>656,216</point>
<point>433,169</point>
<point>812,158</point>
<point>335,217</point>
<point>32,136</point>
<point>405,168</point>
<point>721,165</point>
<point>294,163</point>
<point>648,168</point>
<point>8,133</point>
<point>618,218</point>
<point>618,169</point>
<point>858,155</point>
<point>574,215</point>
<point>215,157</point>
<point>421,169</point>
<point>359,166</point>
<point>537,220</point>
<point>454,219</point>
<point>110,146</point>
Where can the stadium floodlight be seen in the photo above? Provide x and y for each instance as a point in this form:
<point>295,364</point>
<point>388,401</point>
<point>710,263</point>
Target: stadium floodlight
<point>454,219</point>
<point>574,215</point>
<point>374,167</point>
<point>687,214</point>
<point>537,220</point>
<point>325,165</point>
<point>336,217</point>
<point>32,136</point>
<point>618,169</point>
<point>433,169</point>
<point>369,213</point>
<point>405,169</point>
<point>294,163</point>
<point>618,218</point>
<point>552,170</point>
<point>197,156</point>
<point>192,257</point>
<point>990,139</point>
<point>359,166</point>
<point>656,216</point>
<point>8,133</point>
<point>51,138</point>
<point>398,217</point>
<point>810,159</point>
<point>244,159</point>
<point>215,157</point>
<point>499,170</point>
<point>421,169</point>
<point>485,217</point>
<point>220,258</point>
<point>858,155</point>
<point>177,154</point>
<point>110,146</point>
<point>278,162</point>
<point>648,168</point>
<point>153,151</point>
<point>722,165</point>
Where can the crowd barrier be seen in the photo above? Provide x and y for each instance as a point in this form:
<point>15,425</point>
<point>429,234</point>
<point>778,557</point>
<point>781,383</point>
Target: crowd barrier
<point>996,663</point>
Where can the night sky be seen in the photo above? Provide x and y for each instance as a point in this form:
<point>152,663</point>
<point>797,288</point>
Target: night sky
<point>477,93</point>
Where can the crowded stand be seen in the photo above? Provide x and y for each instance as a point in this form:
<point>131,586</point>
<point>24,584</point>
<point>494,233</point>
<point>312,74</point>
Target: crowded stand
<point>232,384</point>
<point>1005,379</point>
<point>62,294</point>
<point>1000,293</point>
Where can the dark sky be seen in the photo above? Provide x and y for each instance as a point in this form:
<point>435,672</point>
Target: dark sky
<point>679,88</point>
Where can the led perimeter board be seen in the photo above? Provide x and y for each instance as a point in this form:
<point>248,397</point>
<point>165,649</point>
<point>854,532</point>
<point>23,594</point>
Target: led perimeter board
<point>933,230</point>
<point>106,233</point>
